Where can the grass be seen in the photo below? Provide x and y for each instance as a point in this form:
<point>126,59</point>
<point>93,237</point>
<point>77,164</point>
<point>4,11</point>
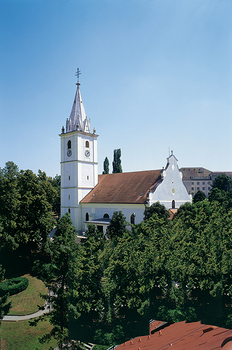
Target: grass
<point>100,347</point>
<point>27,302</point>
<point>21,336</point>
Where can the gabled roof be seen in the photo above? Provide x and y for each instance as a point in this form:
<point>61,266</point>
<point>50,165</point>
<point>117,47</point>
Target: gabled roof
<point>124,188</point>
<point>182,336</point>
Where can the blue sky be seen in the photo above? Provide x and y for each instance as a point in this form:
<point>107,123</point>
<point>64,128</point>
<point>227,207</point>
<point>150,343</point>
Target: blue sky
<point>155,76</point>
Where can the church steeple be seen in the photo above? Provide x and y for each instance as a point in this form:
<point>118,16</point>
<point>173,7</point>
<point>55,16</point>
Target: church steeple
<point>78,119</point>
<point>79,167</point>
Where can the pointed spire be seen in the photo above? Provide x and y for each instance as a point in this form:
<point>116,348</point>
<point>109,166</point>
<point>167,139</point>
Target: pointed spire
<point>78,119</point>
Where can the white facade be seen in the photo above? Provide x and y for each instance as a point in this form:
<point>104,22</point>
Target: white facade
<point>171,192</point>
<point>100,210</point>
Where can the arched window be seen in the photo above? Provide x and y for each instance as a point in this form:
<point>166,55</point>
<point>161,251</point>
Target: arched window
<point>106,216</point>
<point>69,144</point>
<point>173,204</point>
<point>132,219</point>
<point>69,210</point>
<point>87,144</point>
<point>86,216</point>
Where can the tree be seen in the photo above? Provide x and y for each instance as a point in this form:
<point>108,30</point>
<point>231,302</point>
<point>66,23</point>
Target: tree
<point>56,183</point>
<point>222,191</point>
<point>9,205</point>
<point>106,166</point>
<point>26,215</point>
<point>63,252</point>
<point>35,212</point>
<point>117,167</point>
<point>156,208</point>
<point>117,225</point>
<point>4,306</point>
<point>199,196</point>
<point>199,259</point>
<point>87,301</point>
<point>222,182</point>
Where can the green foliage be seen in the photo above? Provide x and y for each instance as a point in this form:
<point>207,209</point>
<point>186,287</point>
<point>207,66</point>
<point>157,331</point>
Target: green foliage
<point>100,347</point>
<point>106,166</point>
<point>117,167</point>
<point>9,204</point>
<point>56,183</point>
<point>117,225</point>
<point>63,249</point>
<point>156,208</point>
<point>13,286</point>
<point>93,232</point>
<point>222,191</point>
<point>86,294</point>
<point>199,196</point>
<point>131,276</point>
<point>4,305</point>
<point>222,182</point>
<point>26,216</point>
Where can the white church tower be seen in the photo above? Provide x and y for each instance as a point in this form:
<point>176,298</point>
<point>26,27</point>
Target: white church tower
<point>79,167</point>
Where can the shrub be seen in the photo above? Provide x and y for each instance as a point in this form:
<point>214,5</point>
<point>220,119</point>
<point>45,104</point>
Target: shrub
<point>13,286</point>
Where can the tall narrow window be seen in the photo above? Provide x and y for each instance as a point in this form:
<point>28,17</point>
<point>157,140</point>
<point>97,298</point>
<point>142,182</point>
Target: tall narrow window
<point>173,204</point>
<point>87,144</point>
<point>132,219</point>
<point>69,210</point>
<point>86,216</point>
<point>69,144</point>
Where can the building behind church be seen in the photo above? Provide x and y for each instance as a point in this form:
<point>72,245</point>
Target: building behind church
<point>200,179</point>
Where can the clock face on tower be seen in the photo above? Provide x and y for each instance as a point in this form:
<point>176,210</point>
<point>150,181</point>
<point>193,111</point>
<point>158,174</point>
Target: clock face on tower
<point>69,152</point>
<point>87,153</point>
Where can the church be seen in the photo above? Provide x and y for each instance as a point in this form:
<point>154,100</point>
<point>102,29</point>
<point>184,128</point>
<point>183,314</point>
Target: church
<point>93,198</point>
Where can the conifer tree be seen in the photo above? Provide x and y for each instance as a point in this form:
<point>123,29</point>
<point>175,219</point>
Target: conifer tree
<point>117,167</point>
<point>106,166</point>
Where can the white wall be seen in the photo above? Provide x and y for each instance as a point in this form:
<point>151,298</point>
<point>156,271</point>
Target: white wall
<point>96,211</point>
<point>171,188</point>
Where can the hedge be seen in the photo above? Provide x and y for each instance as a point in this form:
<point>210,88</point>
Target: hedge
<point>13,286</point>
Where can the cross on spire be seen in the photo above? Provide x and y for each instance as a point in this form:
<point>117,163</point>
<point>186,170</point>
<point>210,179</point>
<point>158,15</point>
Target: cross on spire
<point>78,73</point>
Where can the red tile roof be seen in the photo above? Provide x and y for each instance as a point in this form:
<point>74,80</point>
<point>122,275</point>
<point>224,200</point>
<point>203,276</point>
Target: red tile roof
<point>182,336</point>
<point>124,187</point>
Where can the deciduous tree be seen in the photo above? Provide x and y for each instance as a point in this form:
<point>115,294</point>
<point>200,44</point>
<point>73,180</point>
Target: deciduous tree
<point>199,196</point>
<point>117,225</point>
<point>156,208</point>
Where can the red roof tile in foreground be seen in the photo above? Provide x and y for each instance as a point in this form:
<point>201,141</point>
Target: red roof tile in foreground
<point>182,336</point>
<point>123,187</point>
